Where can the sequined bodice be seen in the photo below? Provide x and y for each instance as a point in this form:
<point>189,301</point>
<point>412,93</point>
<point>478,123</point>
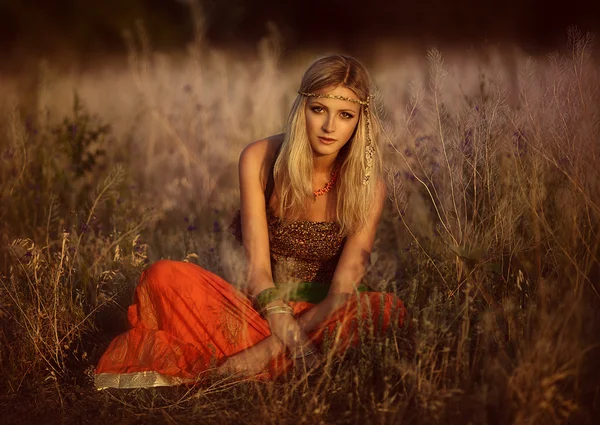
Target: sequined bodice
<point>304,251</point>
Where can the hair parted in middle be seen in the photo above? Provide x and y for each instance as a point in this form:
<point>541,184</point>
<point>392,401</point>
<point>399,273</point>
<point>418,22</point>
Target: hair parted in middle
<point>359,160</point>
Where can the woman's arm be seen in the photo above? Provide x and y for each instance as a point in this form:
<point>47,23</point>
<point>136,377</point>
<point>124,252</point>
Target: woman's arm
<point>255,164</point>
<point>253,174</point>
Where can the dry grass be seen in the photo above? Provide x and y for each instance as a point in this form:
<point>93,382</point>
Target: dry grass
<point>491,235</point>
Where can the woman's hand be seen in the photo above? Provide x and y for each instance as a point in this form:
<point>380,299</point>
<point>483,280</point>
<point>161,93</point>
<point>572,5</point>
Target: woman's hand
<point>301,350</point>
<point>285,327</point>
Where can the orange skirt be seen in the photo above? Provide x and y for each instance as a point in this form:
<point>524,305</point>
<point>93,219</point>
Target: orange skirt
<point>186,320</point>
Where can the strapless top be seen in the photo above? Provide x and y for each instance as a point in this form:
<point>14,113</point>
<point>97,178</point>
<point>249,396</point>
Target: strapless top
<point>304,251</point>
<point>301,251</point>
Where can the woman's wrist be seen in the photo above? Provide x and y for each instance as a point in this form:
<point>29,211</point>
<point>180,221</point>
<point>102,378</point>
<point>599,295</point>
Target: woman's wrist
<point>273,310</point>
<point>274,304</point>
<point>266,298</point>
<point>282,322</point>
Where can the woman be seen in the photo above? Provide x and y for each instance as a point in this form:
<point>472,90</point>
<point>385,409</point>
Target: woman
<point>311,200</point>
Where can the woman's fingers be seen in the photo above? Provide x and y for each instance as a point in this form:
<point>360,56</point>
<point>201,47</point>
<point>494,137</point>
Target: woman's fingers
<point>287,330</point>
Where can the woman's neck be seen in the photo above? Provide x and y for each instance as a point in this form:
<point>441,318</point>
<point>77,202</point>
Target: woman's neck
<point>324,164</point>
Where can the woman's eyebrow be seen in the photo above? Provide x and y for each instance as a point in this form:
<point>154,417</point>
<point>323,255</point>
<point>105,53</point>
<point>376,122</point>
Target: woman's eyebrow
<point>316,102</point>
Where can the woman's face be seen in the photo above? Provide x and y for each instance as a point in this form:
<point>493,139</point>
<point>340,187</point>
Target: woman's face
<point>331,122</point>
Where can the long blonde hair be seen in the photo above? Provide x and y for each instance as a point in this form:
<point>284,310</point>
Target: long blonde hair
<point>294,165</point>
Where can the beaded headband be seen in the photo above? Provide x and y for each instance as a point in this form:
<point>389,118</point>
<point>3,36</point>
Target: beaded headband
<point>369,150</point>
<point>332,96</point>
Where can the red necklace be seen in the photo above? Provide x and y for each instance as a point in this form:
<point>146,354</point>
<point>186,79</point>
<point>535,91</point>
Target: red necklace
<point>329,185</point>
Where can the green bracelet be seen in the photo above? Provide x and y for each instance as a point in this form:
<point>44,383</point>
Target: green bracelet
<point>266,296</point>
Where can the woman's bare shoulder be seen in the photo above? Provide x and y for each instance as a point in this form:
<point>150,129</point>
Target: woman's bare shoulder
<point>260,155</point>
<point>263,148</point>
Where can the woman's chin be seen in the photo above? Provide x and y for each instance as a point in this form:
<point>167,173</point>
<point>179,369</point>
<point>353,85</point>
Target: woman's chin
<point>322,149</point>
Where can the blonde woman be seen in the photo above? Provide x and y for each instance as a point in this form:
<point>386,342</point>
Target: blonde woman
<point>311,200</point>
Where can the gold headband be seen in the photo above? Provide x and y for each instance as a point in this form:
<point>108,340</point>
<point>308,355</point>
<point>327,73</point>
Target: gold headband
<point>331,96</point>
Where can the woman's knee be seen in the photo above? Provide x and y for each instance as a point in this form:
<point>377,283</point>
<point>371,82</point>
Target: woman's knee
<point>159,271</point>
<point>177,276</point>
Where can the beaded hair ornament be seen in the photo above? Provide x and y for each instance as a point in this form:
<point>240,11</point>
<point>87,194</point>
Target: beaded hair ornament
<point>369,150</point>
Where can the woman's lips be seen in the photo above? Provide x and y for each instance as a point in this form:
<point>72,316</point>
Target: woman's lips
<point>327,140</point>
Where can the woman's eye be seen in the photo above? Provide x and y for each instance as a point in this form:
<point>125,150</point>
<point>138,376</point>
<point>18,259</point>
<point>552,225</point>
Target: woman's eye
<point>316,109</point>
<point>347,115</point>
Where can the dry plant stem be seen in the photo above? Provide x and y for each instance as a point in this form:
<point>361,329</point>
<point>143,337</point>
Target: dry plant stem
<point>52,200</point>
<point>87,317</point>
<point>468,277</point>
<point>262,400</point>
<point>332,354</point>
<point>589,201</point>
<point>32,330</point>
<point>57,346</point>
<point>168,418</point>
<point>136,229</point>
<point>537,219</point>
<point>433,199</point>
<point>416,239</point>
<point>17,133</point>
<point>436,59</point>
<point>534,205</point>
<point>111,181</point>
<point>579,50</point>
<point>573,261</point>
<point>495,109</point>
<point>223,385</point>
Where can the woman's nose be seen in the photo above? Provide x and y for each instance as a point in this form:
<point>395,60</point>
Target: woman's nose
<point>329,124</point>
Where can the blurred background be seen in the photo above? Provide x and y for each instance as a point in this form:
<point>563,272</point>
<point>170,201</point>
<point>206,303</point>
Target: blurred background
<point>75,29</point>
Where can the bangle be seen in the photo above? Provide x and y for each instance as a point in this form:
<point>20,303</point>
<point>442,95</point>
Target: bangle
<point>267,296</point>
<point>277,309</point>
<point>302,353</point>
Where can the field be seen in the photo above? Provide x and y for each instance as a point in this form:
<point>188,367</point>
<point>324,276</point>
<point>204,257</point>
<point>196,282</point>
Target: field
<point>491,235</point>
